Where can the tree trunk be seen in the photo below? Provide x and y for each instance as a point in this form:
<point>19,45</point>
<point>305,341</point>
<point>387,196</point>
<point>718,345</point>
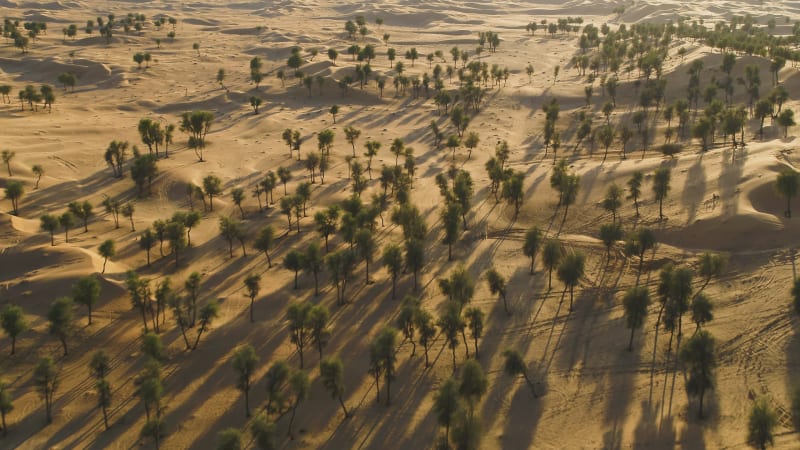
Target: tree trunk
<point>630,343</point>
<point>64,344</point>
<point>505,305</point>
<point>344,408</point>
<point>247,401</point>
<point>90,313</point>
<point>394,284</point>
<point>13,347</point>
<point>251,309</point>
<point>105,418</point>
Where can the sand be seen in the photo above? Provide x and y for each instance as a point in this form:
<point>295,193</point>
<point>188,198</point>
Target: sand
<point>596,394</point>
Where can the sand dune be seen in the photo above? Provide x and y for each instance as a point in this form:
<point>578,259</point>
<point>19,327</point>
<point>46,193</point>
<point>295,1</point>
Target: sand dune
<point>595,394</point>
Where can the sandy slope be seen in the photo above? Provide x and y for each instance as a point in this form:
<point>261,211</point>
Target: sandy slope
<point>597,394</point>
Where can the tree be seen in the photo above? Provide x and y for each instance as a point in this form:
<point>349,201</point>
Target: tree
<point>475,322</point>
<point>661,187</point>
<point>255,102</point>
<point>231,229</point>
<point>49,223</point>
<point>6,405</point>
<point>107,250</point>
<point>761,425</point>
<point>244,362</point>
<point>786,120</point>
<point>351,135</point>
<point>115,155</point>
<point>152,346</point>
<point>702,310</point>
<point>229,439</point>
<point>384,357</point>
<point>551,256</point>
<point>698,358</point>
<point>146,241</point>
<point>609,234</point>
<point>237,194</point>
<point>60,320</point>
<point>67,221</point>
<point>318,318</point>
<point>7,156</point>
<point>473,384</point>
<point>276,378</point>
<point>299,384</point>
<point>462,190</point>
<point>265,241</point>
<point>393,261</point>
<point>635,302</point>
<point>415,257</point>
<point>332,373</point>
<point>513,190</point>
<point>86,291</point>
<point>612,201</point>
<point>514,365</point>
<point>13,322</point>
<point>45,378</point>
<point>212,186</point>
<point>635,188</point>
<point>251,283</point>
<point>788,185</point>
<point>263,433</point>
<point>14,191</point>
<point>37,170</point>
<point>208,313</point>
<point>298,316</point>
<point>293,261</point>
<point>497,286</point>
<point>451,218</point>
<point>533,240</point>
<point>333,111</point>
<point>446,404</point>
<point>197,125</point>
<point>221,78</point>
<point>154,427</point>
<point>570,271</point>
<point>82,211</point>
<point>313,262</point>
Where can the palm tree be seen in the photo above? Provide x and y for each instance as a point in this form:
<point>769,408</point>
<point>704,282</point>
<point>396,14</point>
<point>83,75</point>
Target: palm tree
<point>252,284</point>
<point>331,371</point>
<point>570,270</point>
<point>635,188</point>
<point>698,358</point>
<point>787,184</point>
<point>514,365</point>
<point>551,256</point>
<point>497,286</point>
<point>244,362</point>
<point>635,302</point>
<point>661,187</point>
<point>761,425</point>
<point>533,240</point>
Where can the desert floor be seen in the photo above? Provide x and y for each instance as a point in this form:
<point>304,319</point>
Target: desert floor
<point>596,393</point>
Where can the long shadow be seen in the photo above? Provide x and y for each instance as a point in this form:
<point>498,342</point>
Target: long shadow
<point>694,189</point>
